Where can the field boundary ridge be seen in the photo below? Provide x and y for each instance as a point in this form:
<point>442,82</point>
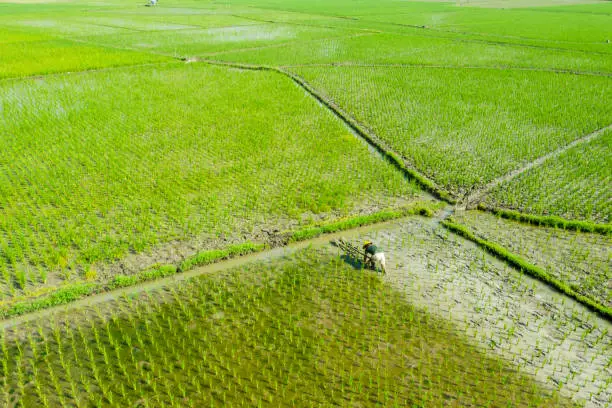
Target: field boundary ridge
<point>551,221</point>
<point>479,38</point>
<point>349,64</point>
<point>471,201</point>
<point>69,293</point>
<point>526,267</point>
<point>85,71</point>
<point>394,158</point>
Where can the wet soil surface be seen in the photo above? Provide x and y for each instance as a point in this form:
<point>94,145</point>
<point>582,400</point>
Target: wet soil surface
<point>517,318</point>
<point>546,334</point>
<point>274,232</point>
<point>583,260</point>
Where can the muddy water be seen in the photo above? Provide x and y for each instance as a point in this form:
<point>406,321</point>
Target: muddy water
<point>511,315</point>
<point>272,255</point>
<point>559,341</point>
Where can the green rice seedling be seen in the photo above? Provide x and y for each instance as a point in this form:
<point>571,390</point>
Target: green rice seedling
<point>581,260</point>
<point>111,190</point>
<point>445,136</point>
<point>21,278</point>
<point>571,186</point>
<point>56,56</point>
<point>42,274</point>
<point>179,162</point>
<point>389,49</point>
<point>193,43</point>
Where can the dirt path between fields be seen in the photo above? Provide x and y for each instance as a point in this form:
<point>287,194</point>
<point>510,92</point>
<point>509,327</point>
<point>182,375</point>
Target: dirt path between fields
<point>472,200</point>
<point>443,66</point>
<point>505,313</point>
<point>269,255</point>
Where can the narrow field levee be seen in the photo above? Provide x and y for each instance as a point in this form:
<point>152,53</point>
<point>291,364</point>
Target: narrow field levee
<point>558,340</point>
<point>543,333</point>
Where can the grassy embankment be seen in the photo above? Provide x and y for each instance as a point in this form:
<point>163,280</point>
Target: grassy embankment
<point>573,186</point>
<point>48,297</point>
<point>108,186</point>
<point>533,270</point>
<point>579,258</point>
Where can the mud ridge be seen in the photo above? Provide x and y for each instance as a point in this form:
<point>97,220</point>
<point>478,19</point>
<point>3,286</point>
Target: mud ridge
<point>399,162</point>
<point>474,198</point>
<point>526,267</point>
<point>470,67</point>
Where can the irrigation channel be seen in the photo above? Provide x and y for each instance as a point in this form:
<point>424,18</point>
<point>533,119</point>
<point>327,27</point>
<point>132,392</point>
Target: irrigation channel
<point>516,317</point>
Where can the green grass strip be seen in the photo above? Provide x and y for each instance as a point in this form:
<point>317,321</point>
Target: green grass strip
<point>208,257</point>
<point>76,291</point>
<point>550,221</point>
<point>121,281</point>
<point>61,296</point>
<point>526,267</point>
<point>359,221</point>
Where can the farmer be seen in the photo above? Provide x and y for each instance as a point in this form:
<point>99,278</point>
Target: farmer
<point>373,255</point>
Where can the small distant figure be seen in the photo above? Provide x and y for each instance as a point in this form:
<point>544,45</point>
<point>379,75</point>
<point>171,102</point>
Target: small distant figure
<point>153,2</point>
<point>372,256</point>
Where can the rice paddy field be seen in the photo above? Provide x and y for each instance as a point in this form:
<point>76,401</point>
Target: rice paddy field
<point>173,178</point>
